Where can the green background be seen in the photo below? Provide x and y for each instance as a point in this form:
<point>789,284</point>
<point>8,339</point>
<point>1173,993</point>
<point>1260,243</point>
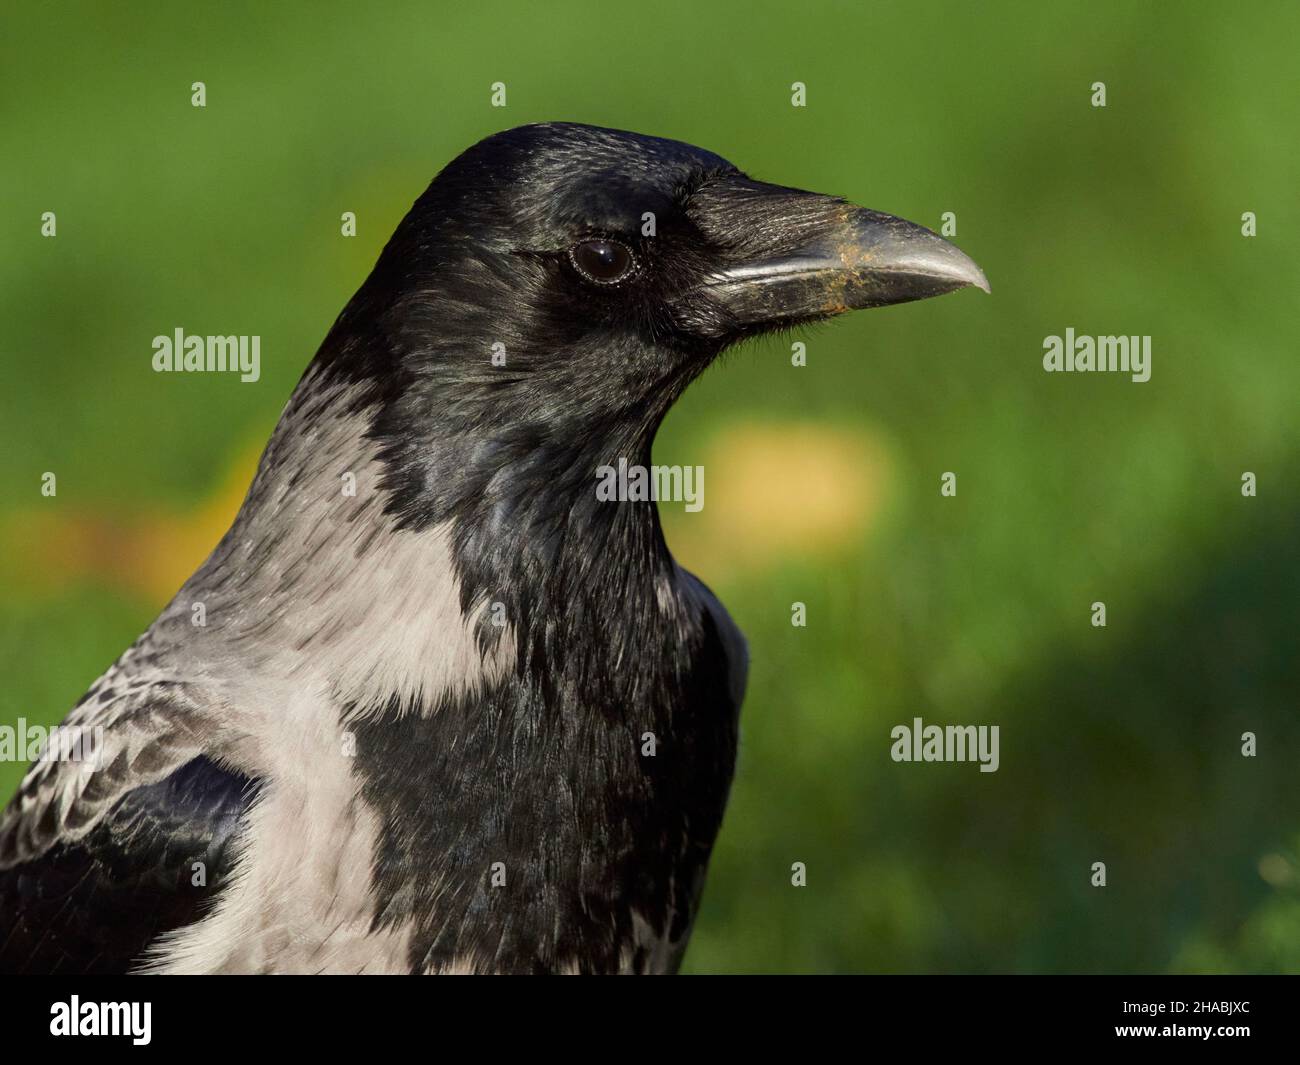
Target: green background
<point>1119,744</point>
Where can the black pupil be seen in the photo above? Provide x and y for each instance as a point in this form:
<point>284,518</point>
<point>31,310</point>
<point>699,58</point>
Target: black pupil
<point>603,259</point>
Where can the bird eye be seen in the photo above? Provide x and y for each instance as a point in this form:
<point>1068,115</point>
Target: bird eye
<point>602,261</point>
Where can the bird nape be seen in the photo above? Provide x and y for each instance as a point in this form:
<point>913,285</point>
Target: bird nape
<point>448,710</point>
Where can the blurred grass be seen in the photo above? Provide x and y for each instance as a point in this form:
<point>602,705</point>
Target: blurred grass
<point>1119,744</point>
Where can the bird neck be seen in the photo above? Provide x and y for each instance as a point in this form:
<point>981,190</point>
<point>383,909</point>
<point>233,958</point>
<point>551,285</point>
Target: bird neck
<point>530,535</point>
<point>513,492</point>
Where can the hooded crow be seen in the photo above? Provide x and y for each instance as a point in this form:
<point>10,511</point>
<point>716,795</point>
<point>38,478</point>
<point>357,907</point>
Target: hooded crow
<point>432,705</point>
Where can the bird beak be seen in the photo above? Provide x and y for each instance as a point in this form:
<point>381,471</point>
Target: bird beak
<point>833,258</point>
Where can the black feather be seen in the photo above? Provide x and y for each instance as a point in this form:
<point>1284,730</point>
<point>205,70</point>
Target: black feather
<point>94,905</point>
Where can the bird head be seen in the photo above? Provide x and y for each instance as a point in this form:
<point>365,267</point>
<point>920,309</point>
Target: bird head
<point>558,286</point>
